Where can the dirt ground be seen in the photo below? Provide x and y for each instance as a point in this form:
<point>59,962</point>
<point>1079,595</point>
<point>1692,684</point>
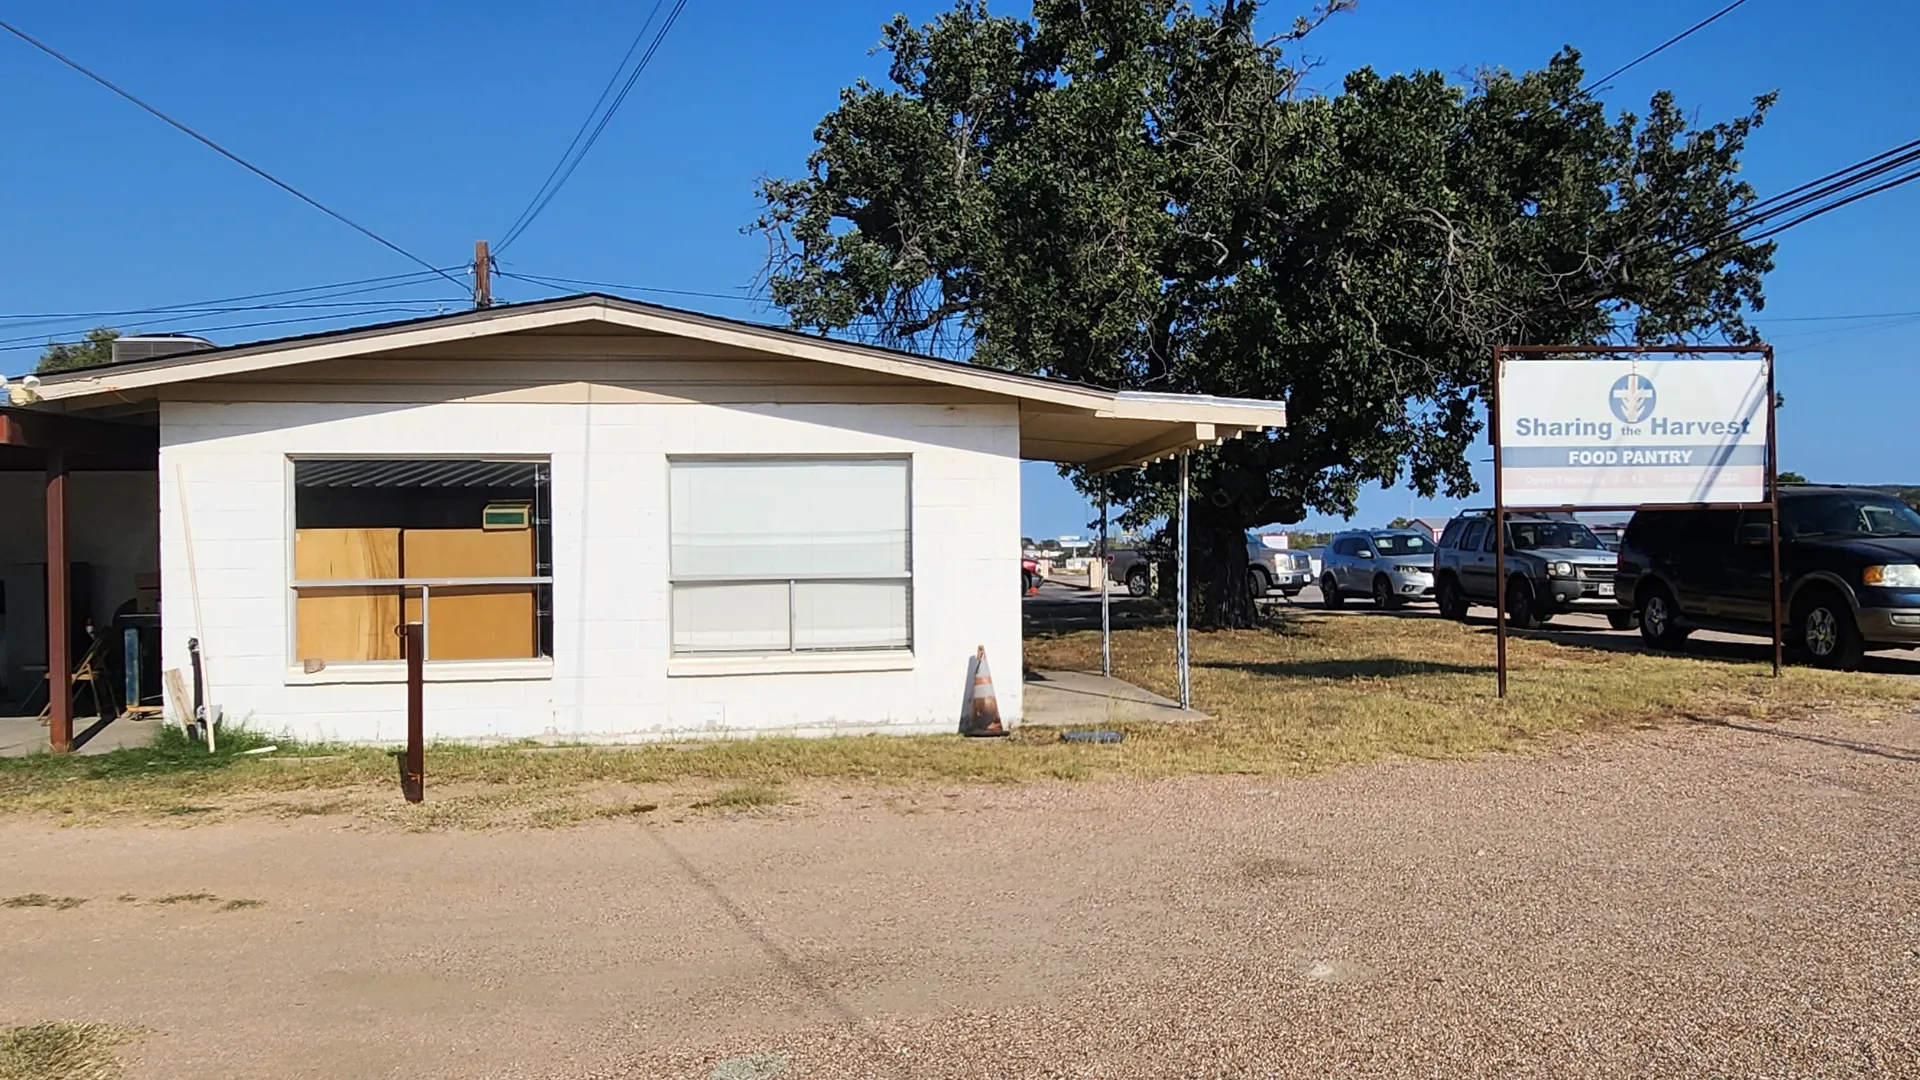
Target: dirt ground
<point>1709,901</point>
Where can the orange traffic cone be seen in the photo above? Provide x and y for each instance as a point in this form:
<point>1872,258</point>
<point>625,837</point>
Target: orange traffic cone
<point>983,711</point>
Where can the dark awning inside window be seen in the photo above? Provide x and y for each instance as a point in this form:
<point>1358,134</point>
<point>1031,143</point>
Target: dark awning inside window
<point>414,473</point>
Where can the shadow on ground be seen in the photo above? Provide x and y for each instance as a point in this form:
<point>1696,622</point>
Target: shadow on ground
<point>1376,667</point>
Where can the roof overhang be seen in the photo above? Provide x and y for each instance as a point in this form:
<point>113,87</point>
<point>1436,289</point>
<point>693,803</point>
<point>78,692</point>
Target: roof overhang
<point>1110,429</point>
<point>29,439</point>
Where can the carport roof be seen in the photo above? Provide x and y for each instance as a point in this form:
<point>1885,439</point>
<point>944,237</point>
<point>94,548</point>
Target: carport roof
<point>1060,421</point>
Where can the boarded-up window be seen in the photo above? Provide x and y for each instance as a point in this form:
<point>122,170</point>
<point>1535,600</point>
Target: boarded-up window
<point>461,545</point>
<point>790,555</point>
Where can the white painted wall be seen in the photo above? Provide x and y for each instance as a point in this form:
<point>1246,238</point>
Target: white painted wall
<point>609,677</point>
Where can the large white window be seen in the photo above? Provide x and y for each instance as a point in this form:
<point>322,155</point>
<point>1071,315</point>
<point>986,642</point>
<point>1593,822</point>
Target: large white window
<point>790,554</point>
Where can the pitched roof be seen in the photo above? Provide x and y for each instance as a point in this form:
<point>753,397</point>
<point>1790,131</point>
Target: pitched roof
<point>1177,420</point>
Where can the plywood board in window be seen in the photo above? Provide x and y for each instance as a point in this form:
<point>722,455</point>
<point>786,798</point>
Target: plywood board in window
<point>488,622</point>
<point>346,624</point>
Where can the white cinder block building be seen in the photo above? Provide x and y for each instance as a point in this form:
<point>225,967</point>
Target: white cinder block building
<point>616,521</point>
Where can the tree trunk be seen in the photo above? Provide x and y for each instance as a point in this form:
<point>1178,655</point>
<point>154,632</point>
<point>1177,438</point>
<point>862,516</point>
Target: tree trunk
<point>1219,570</point>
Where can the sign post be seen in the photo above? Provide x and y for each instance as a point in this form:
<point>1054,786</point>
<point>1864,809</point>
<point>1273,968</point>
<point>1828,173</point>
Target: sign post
<point>1619,428</point>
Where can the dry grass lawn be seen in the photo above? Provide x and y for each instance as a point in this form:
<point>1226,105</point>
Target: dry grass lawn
<point>1318,693</point>
<point>60,1051</point>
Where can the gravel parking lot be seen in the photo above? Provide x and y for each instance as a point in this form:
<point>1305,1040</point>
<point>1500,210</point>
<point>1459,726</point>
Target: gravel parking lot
<point>1704,901</point>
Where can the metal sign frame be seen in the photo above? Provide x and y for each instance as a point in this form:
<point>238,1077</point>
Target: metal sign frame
<point>1501,354</point>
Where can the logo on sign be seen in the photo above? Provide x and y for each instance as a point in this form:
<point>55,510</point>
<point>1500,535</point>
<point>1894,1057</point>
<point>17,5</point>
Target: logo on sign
<point>1632,399</point>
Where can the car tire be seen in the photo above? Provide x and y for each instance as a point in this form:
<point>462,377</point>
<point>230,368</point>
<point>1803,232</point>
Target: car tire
<point>1137,582</point>
<point>1383,595</point>
<point>1623,619</point>
<point>1658,615</point>
<point>1330,593</point>
<point>1451,600</point>
<point>1824,631</point>
<point>1523,612</point>
<point>1261,583</point>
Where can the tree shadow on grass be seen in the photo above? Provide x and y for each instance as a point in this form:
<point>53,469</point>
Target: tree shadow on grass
<point>1371,667</point>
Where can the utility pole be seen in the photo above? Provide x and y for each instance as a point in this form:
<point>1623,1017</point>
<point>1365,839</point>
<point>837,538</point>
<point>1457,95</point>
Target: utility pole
<point>482,275</point>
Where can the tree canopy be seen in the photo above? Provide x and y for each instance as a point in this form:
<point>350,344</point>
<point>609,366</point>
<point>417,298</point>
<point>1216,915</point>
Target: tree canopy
<point>1140,194</point>
<point>96,349</point>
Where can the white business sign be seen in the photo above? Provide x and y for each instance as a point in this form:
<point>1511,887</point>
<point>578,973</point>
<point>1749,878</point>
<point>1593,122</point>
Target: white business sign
<point>1620,433</point>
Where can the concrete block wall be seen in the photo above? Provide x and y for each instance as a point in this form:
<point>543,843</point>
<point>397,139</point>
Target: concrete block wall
<point>224,474</point>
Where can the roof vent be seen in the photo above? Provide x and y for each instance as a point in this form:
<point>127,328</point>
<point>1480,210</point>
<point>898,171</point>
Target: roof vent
<point>137,347</point>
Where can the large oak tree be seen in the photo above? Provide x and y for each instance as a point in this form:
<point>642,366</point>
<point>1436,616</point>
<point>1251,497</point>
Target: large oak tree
<point>1141,194</point>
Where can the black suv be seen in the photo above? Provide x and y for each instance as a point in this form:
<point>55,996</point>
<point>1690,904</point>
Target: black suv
<point>1850,572</point>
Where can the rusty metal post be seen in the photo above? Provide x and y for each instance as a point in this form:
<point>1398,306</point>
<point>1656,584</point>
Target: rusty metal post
<point>59,609</point>
<point>1773,514</point>
<point>1499,525</point>
<point>414,782</point>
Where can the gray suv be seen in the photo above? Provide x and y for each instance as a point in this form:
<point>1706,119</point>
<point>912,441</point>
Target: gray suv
<point>1554,565</point>
<point>1391,565</point>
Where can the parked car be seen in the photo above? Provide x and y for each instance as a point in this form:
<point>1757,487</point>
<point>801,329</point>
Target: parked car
<point>1029,574</point>
<point>1315,559</point>
<point>1276,568</point>
<point>1554,565</point>
<point>1132,567</point>
<point>1850,573</point>
<point>1391,565</point>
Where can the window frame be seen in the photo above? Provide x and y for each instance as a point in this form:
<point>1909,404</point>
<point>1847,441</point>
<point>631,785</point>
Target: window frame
<point>409,588</point>
<point>904,576</point>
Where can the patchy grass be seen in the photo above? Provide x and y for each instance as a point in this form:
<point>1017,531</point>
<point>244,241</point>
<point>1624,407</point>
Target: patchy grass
<point>186,898</point>
<point>1317,692</point>
<point>241,905</point>
<point>40,899</point>
<point>60,1051</point>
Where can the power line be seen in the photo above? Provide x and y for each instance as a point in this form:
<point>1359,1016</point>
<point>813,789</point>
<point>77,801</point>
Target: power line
<point>1662,47</point>
<point>560,284</point>
<point>569,161</point>
<point>223,151</point>
<point>12,344</point>
<point>514,229</point>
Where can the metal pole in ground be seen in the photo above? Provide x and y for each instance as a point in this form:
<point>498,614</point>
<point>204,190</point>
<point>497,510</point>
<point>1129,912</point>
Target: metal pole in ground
<point>1106,589</point>
<point>1180,643</point>
<point>1773,515</point>
<point>1499,526</point>
<point>414,781</point>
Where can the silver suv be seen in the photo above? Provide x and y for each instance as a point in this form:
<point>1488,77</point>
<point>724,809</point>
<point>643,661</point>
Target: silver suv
<point>1391,565</point>
<point>1554,565</point>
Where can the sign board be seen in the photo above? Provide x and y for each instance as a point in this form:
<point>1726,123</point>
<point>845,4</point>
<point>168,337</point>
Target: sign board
<point>1633,433</point>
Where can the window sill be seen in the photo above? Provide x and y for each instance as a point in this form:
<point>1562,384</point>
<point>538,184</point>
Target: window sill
<point>790,663</point>
<point>444,671</point>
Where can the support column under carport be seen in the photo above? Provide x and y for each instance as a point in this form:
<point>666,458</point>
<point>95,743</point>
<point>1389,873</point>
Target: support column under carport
<point>59,610</point>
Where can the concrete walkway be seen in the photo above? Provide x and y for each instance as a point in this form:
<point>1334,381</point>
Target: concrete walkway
<point>1076,698</point>
<point>23,735</point>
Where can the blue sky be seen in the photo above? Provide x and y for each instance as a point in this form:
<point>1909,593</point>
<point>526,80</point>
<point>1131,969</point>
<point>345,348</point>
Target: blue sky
<point>433,123</point>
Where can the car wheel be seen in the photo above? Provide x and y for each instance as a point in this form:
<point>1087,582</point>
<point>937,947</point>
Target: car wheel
<point>1824,631</point>
<point>1451,601</point>
<point>1137,583</point>
<point>1383,595</point>
<point>1262,585</point>
<point>1522,612</point>
<point>1658,619</point>
<point>1330,593</point>
<point>1622,620</point>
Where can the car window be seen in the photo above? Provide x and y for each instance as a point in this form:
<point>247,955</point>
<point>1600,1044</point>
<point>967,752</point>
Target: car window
<point>1476,535</point>
<point>1535,535</point>
<point>1455,529</point>
<point>1847,515</point>
<point>1407,544</point>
